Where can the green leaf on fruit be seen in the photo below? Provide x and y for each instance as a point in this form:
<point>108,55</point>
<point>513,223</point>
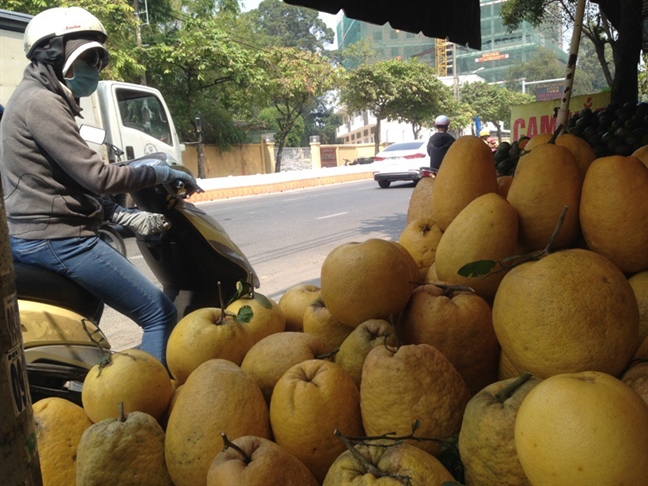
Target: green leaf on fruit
<point>263,300</point>
<point>478,268</point>
<point>245,314</point>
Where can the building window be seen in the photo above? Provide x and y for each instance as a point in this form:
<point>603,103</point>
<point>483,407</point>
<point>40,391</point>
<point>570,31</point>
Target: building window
<point>395,52</point>
<point>366,132</point>
<point>393,34</point>
<point>377,35</point>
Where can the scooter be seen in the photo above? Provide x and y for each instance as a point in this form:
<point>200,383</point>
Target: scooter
<point>196,262</point>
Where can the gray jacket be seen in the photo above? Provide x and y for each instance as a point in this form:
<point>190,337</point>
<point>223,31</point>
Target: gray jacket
<point>51,179</point>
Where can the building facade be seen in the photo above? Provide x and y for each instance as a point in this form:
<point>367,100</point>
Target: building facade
<point>500,49</point>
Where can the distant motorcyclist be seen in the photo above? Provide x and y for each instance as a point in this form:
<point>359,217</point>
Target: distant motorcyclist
<point>53,181</point>
<point>440,142</point>
<point>485,135</point>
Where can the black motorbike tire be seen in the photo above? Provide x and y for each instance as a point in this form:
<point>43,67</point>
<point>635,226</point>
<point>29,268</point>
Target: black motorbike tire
<point>110,235</point>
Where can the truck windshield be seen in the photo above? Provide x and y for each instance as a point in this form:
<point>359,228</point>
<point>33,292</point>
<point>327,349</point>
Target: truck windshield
<point>144,112</point>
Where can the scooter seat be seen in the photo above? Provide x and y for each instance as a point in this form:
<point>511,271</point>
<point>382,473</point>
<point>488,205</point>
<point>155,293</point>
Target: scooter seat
<point>41,285</point>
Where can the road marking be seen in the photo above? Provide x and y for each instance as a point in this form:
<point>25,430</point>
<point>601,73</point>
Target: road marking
<point>333,215</point>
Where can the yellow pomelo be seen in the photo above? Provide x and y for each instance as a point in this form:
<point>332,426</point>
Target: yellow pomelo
<point>124,450</point>
<point>614,211</point>
<point>132,377</point>
<point>467,172</point>
<point>420,203</point>
<point>413,383</point>
<point>487,441</point>
<point>537,140</point>
<point>486,229</point>
<point>310,401</point>
<point>546,180</point>
<point>432,276</point>
<point>218,397</point>
<point>319,321</point>
<point>506,369</point>
<point>583,429</point>
<point>365,337</point>
<point>258,462</point>
<point>267,316</point>
<point>580,149</point>
<point>570,311</point>
<point>368,280</point>
<point>59,425</point>
<point>636,377</point>
<point>642,352</point>
<point>421,238</point>
<point>389,466</point>
<point>639,284</point>
<point>293,304</point>
<point>204,334</point>
<point>458,324</point>
<point>642,154</point>
<point>503,185</point>
<point>271,357</point>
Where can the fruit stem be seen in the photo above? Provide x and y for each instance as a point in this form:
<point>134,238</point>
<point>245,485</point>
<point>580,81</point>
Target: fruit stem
<point>228,443</point>
<point>328,355</point>
<point>221,303</point>
<point>509,389</point>
<point>559,224</point>
<point>366,463</point>
<point>122,415</point>
<point>448,289</point>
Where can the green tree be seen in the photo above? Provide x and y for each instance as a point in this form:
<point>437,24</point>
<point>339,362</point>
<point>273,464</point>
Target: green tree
<point>492,103</point>
<point>421,96</point>
<point>285,25</point>
<point>270,117</point>
<point>358,53</point>
<point>197,67</point>
<point>615,23</point>
<point>295,78</point>
<point>404,90</point>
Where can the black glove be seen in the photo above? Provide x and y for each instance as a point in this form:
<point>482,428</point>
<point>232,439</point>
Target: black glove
<point>166,175</point>
<point>141,222</point>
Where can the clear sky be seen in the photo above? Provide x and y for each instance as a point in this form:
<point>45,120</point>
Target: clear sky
<point>330,20</point>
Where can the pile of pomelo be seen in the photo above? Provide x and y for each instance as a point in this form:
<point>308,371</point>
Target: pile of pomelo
<point>502,340</point>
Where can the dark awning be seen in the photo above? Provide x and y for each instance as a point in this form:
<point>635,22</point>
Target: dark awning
<point>455,20</point>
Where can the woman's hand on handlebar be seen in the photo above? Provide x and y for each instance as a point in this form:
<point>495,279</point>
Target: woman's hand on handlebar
<point>177,179</point>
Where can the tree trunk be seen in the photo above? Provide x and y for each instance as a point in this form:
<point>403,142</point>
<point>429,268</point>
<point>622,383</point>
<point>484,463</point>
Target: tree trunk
<point>625,86</point>
<point>19,461</point>
<point>377,135</point>
<point>280,147</point>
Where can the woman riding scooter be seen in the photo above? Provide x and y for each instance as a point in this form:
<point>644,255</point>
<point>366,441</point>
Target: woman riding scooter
<point>53,182</point>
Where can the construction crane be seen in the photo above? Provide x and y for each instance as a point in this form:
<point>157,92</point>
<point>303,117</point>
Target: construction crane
<point>441,56</point>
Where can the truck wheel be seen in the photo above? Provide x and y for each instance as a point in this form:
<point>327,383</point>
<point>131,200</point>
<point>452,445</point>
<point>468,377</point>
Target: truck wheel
<point>384,184</point>
<point>108,234</point>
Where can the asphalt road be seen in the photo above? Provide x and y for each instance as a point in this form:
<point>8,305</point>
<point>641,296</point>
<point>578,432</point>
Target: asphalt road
<point>286,236</point>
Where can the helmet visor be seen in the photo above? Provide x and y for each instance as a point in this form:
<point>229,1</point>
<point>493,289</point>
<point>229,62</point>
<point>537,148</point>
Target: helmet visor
<point>92,52</point>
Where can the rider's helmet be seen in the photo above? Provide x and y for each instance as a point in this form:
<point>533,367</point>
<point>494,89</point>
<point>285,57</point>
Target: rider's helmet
<point>442,121</point>
<point>54,34</point>
<point>484,132</point>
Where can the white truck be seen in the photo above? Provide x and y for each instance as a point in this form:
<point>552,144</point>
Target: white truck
<point>135,118</point>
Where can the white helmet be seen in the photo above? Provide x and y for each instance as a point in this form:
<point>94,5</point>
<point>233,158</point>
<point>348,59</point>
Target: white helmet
<point>442,121</point>
<point>484,132</point>
<point>61,21</point>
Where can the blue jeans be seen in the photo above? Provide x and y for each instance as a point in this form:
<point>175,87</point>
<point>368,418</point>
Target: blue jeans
<point>111,278</point>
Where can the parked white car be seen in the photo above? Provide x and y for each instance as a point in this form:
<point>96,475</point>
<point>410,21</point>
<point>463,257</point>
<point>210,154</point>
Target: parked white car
<point>402,161</point>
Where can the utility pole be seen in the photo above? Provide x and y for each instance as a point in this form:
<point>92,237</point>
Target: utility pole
<point>138,30</point>
<point>455,73</point>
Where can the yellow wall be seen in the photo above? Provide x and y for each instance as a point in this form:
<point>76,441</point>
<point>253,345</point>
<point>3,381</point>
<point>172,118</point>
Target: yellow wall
<point>257,158</point>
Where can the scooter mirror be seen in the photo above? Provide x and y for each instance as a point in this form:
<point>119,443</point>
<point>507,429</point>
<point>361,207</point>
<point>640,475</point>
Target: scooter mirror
<point>92,134</point>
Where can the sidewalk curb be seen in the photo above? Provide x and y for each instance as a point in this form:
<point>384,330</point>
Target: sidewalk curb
<point>253,190</point>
